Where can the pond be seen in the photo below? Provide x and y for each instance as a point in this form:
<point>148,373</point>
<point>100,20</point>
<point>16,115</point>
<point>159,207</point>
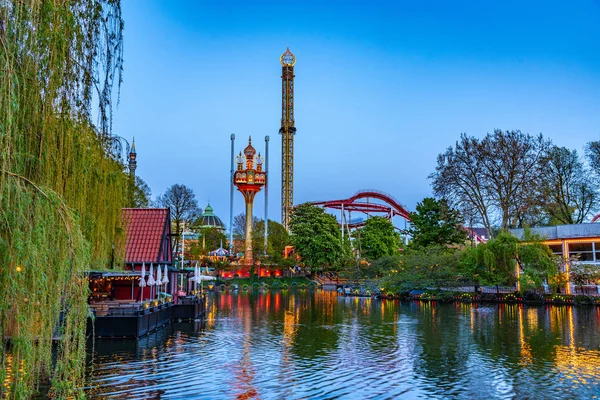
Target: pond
<point>303,344</point>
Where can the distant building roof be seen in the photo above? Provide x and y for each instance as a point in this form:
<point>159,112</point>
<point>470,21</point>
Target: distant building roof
<point>147,235</point>
<point>562,231</point>
<point>478,234</point>
<point>210,220</point>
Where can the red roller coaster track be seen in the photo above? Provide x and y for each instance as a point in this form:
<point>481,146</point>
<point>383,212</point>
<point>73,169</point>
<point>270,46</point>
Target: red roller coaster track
<point>391,208</point>
<point>596,218</point>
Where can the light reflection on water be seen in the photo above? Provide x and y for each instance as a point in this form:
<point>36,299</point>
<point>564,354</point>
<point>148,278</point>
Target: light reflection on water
<point>300,344</point>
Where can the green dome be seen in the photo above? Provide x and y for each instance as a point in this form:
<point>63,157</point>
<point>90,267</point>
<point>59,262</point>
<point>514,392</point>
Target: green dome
<point>210,220</point>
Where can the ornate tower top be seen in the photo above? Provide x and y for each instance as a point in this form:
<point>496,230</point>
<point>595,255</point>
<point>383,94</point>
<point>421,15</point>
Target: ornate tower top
<point>287,59</point>
<point>249,151</point>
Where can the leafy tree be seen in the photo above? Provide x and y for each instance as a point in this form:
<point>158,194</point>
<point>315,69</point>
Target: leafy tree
<point>492,263</point>
<point>378,238</point>
<point>183,206</point>
<point>420,268</point>
<point>569,191</point>
<point>278,238</point>
<point>385,265</point>
<point>472,266</point>
<point>316,237</point>
<point>211,238</point>
<point>497,176</point>
<point>537,263</point>
<point>435,223</point>
<point>141,193</point>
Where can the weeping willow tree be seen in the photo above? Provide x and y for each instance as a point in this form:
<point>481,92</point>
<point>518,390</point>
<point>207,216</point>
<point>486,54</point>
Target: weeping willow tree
<point>61,185</point>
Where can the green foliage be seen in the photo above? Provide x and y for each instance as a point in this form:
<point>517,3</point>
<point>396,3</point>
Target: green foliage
<point>61,187</point>
<point>582,299</point>
<point>435,223</point>
<point>316,237</point>
<point>385,265</point>
<point>492,263</point>
<point>378,238</point>
<point>420,268</point>
<point>278,238</point>
<point>209,239</point>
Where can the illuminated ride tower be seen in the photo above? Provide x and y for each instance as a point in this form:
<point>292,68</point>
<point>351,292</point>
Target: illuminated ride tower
<point>287,132</point>
<point>249,181</point>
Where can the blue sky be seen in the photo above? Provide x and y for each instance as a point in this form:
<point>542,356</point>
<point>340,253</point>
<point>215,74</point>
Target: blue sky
<point>381,87</point>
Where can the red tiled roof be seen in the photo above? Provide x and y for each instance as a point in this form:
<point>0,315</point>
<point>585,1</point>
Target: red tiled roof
<point>144,230</point>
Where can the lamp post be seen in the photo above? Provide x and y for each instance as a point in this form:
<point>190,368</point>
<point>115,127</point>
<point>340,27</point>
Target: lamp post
<point>231,197</point>
<point>266,194</point>
<point>249,181</point>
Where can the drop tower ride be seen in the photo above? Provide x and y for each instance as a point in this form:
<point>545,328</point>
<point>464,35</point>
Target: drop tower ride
<point>287,132</point>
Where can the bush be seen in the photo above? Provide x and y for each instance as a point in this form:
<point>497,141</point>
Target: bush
<point>583,299</point>
<point>445,297</point>
<point>533,296</point>
<point>488,297</point>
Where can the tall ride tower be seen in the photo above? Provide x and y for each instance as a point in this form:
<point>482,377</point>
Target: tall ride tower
<point>287,132</point>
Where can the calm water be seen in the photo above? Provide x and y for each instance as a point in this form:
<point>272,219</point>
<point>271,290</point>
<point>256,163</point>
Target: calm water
<point>316,345</point>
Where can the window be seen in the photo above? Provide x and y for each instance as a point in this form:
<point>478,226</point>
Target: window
<point>557,249</point>
<point>584,251</point>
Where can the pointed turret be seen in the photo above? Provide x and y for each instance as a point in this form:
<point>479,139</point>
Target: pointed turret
<point>132,158</point>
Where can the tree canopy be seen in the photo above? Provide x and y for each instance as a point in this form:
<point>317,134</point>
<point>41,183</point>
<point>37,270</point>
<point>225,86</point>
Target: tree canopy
<point>435,223</point>
<point>492,263</point>
<point>278,238</point>
<point>316,237</point>
<point>378,238</point>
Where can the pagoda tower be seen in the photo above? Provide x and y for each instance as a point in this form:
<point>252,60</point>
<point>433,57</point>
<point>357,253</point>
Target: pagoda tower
<point>249,181</point>
<point>287,132</point>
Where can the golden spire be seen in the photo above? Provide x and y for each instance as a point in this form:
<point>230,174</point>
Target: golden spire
<point>287,58</point>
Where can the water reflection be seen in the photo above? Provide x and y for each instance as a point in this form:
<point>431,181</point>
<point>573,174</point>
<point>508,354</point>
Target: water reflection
<point>304,344</point>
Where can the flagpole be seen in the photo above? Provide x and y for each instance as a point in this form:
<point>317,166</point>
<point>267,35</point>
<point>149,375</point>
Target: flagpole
<point>266,192</point>
<point>231,198</point>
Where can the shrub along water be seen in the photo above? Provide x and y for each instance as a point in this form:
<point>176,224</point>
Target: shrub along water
<point>61,188</point>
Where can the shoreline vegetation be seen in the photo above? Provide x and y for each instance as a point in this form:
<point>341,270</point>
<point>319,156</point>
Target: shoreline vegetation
<point>441,296</point>
<point>62,184</point>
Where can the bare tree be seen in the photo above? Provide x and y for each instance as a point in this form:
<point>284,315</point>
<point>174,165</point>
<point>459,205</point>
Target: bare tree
<point>592,152</point>
<point>459,178</point>
<point>568,187</point>
<point>182,202</point>
<point>494,180</point>
<point>239,226</point>
<point>513,163</point>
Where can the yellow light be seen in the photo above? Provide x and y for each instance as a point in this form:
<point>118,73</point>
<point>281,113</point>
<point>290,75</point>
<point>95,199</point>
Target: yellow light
<point>18,268</point>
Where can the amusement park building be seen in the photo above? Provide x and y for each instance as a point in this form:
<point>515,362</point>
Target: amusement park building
<point>579,242</point>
